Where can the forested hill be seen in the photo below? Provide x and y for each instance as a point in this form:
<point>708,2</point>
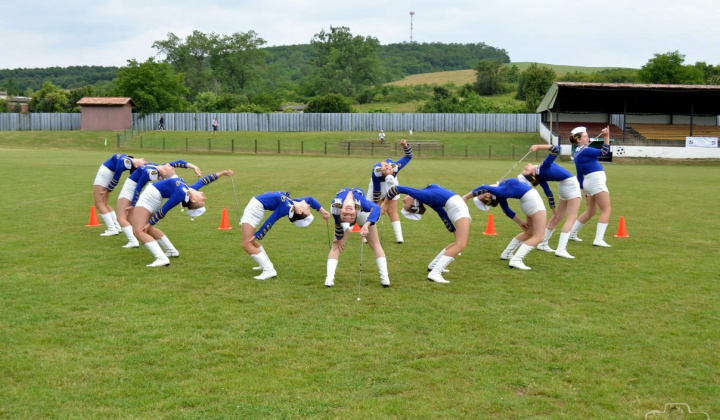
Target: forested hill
<point>290,62</point>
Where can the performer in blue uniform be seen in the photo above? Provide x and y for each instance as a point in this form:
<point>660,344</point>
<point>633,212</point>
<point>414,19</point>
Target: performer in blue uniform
<point>107,178</point>
<point>349,207</point>
<point>281,205</point>
<point>486,196</point>
<point>134,184</point>
<point>452,211</point>
<point>593,181</point>
<point>149,210</point>
<point>568,196</point>
<point>378,186</point>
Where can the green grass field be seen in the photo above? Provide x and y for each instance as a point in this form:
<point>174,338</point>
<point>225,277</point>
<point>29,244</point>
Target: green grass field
<point>89,332</point>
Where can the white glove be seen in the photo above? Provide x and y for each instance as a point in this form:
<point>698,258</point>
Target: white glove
<point>391,181</point>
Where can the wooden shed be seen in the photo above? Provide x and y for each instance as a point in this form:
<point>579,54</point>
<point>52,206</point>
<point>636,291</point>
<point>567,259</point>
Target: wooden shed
<point>106,113</point>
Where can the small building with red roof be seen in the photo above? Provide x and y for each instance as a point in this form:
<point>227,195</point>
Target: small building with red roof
<point>106,113</point>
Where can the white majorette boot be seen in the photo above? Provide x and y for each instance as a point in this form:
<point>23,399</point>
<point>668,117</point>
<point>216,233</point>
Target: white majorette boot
<point>115,221</point>
<point>435,260</point>
<point>109,225</point>
<point>512,246</point>
<point>574,231</point>
<point>161,260</point>
<point>330,277</point>
<point>132,240</point>
<point>562,246</point>
<point>543,246</point>
<point>169,248</point>
<point>436,274</point>
<point>268,271</point>
<point>397,229</point>
<point>517,260</point>
<point>600,236</point>
<point>383,270</point>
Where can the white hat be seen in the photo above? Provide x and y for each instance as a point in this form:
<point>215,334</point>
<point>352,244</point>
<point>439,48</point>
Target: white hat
<point>578,130</point>
<point>196,212</point>
<point>304,222</point>
<point>524,180</point>
<point>345,226</point>
<point>479,204</point>
<point>410,215</point>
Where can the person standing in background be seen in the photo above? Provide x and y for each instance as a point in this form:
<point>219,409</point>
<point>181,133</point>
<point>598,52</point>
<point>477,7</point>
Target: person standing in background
<point>214,125</point>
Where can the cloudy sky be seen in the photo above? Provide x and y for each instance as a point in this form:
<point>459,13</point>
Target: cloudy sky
<point>616,33</point>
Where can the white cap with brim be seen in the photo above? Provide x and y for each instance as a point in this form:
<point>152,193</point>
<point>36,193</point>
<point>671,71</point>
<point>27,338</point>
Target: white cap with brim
<point>345,226</point>
<point>304,222</point>
<point>479,204</point>
<point>578,130</point>
<point>196,212</point>
<point>410,215</point>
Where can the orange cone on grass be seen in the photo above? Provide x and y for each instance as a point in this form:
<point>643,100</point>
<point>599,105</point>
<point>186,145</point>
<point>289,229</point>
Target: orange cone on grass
<point>93,217</point>
<point>622,230</point>
<point>356,228</point>
<point>225,221</point>
<point>490,229</point>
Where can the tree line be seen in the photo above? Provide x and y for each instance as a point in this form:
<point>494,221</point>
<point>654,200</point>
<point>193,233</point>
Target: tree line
<point>208,72</point>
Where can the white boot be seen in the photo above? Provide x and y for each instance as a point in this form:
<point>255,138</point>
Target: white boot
<point>512,246</point>
<point>600,235</point>
<point>382,268</point>
<point>435,260</point>
<point>267,266</point>
<point>257,267</point>
<point>543,246</point>
<point>397,228</point>
<point>517,260</point>
<point>160,259</point>
<point>574,231</point>
<point>562,246</point>
<point>132,240</point>
<point>330,277</point>
<point>110,225</point>
<point>170,250</point>
<point>436,273</point>
<point>115,221</point>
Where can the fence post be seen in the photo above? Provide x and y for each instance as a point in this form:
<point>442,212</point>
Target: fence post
<point>326,148</point>
<point>141,142</point>
<point>118,140</point>
<point>348,143</point>
<point>256,146</point>
<point>278,147</point>
<point>372,149</point>
<point>442,146</point>
<point>513,152</point>
<point>232,145</point>
<point>186,144</point>
<point>466,147</point>
<point>302,147</point>
<point>490,151</point>
<point>163,143</point>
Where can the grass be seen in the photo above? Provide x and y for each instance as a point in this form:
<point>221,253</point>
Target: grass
<point>89,332</point>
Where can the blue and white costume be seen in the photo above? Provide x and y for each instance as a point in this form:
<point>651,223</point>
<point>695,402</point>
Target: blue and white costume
<point>378,186</point>
<point>366,210</point>
<point>548,170</point>
<point>175,190</point>
<point>111,170</point>
<point>590,172</point>
<point>279,203</point>
<point>438,199</point>
<point>530,201</point>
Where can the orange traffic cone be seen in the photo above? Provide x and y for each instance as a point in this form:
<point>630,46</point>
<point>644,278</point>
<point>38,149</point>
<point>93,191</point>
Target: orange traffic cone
<point>356,228</point>
<point>93,217</point>
<point>224,222</point>
<point>622,231</point>
<point>490,229</point>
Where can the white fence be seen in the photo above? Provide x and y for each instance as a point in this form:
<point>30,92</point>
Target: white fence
<point>289,122</point>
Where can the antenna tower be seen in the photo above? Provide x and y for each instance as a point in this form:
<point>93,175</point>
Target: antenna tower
<point>411,25</point>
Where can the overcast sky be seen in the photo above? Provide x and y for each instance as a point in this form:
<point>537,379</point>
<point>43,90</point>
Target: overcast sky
<point>615,33</point>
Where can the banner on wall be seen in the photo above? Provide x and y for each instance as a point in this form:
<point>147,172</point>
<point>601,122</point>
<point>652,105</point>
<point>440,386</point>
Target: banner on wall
<point>701,142</point>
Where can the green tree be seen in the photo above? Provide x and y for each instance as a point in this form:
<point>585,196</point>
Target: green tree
<point>668,69</point>
<point>344,63</point>
<point>206,102</point>
<point>534,83</point>
<point>491,77</point>
<point>154,87</point>
<point>190,57</point>
<point>332,102</point>
<point>236,59</point>
<point>711,74</point>
<point>49,98</point>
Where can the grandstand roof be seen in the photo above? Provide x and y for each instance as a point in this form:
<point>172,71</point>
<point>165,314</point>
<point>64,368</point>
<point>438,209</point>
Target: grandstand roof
<point>630,98</point>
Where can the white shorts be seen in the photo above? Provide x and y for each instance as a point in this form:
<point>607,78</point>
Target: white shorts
<point>383,191</point>
<point>457,209</point>
<point>253,213</point>
<point>150,199</point>
<point>103,177</point>
<point>128,189</point>
<point>569,189</point>
<point>531,203</point>
<point>595,182</point>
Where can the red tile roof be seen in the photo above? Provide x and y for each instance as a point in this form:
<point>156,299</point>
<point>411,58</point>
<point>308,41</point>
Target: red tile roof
<point>105,101</point>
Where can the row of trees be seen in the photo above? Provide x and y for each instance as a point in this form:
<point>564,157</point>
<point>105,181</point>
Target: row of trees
<point>236,73</point>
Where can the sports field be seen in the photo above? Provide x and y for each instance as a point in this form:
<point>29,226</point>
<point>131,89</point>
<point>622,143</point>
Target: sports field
<point>87,331</point>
